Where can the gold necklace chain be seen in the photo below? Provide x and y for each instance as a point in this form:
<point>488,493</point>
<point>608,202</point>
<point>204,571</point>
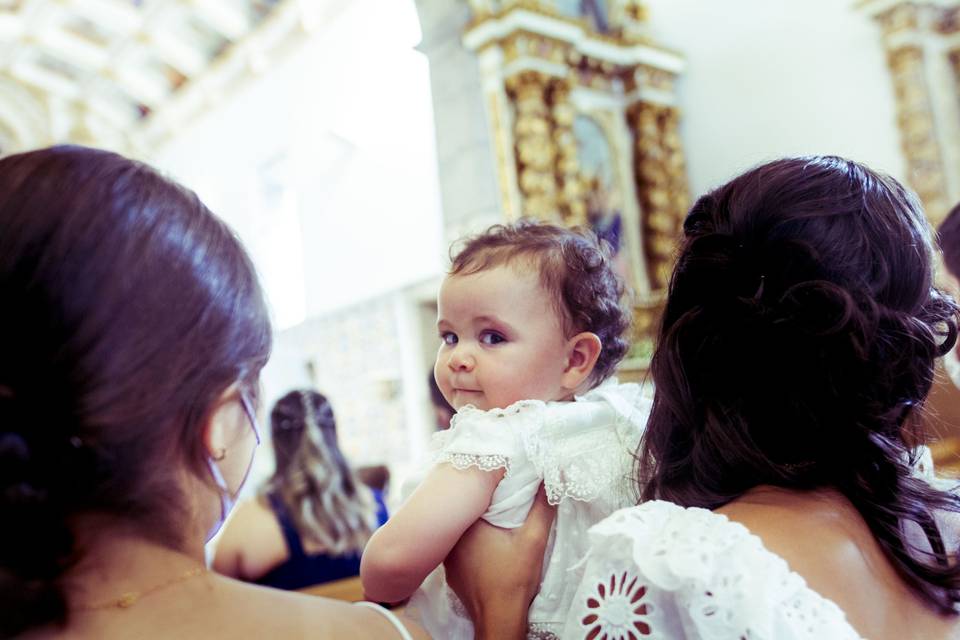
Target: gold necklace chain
<point>130,598</point>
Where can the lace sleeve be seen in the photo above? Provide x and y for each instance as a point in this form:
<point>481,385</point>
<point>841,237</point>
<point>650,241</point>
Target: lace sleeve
<point>584,450</point>
<point>487,440</point>
<point>661,571</point>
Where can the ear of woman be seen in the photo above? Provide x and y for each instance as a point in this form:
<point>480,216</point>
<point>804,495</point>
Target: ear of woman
<point>230,437</point>
<point>227,425</point>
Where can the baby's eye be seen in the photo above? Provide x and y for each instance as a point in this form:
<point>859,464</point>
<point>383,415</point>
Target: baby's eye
<point>448,337</point>
<point>491,338</point>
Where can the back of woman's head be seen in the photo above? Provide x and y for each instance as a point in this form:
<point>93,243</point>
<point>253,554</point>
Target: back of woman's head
<point>313,479</point>
<point>128,308</point>
<point>798,341</point>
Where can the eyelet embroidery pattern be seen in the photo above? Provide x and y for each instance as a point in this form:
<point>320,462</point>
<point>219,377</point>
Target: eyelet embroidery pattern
<point>718,574</point>
<point>618,610</point>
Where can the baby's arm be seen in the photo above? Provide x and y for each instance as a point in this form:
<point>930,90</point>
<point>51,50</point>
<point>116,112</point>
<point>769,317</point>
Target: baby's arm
<point>416,539</point>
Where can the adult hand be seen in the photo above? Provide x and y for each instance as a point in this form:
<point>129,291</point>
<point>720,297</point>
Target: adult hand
<point>496,572</point>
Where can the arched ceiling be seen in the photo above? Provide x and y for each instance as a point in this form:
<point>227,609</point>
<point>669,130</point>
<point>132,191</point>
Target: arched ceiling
<point>125,73</point>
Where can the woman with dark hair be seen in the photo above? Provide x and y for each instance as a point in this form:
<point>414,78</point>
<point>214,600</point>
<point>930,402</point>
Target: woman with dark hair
<point>313,517</point>
<point>779,463</point>
<point>132,337</point>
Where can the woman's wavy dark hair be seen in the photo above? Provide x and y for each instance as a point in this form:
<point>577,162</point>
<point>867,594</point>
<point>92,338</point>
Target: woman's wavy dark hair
<point>328,504</point>
<point>128,309</point>
<point>797,345</point>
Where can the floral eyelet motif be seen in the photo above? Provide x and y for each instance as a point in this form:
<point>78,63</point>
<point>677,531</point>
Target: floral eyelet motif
<point>618,610</point>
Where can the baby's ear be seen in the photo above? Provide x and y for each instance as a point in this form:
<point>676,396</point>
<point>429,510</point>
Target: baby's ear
<point>583,350</point>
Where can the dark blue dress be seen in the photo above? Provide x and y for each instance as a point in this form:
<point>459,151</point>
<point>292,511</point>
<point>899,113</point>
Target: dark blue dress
<point>300,570</point>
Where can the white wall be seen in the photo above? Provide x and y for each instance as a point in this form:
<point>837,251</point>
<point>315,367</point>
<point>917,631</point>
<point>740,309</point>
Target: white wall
<point>326,165</point>
<point>769,78</point>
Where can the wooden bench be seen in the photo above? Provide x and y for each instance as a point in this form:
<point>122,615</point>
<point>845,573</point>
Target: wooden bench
<point>349,589</point>
<point>946,456</point>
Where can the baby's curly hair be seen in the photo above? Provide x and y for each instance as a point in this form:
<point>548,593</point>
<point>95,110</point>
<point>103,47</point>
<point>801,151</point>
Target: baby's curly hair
<point>575,268</point>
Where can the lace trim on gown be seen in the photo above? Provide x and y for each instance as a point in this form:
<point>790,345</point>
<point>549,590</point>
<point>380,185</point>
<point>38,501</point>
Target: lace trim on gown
<point>467,460</point>
<point>570,445</point>
<point>480,439</point>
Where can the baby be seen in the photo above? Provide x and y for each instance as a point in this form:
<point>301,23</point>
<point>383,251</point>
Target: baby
<point>531,327</point>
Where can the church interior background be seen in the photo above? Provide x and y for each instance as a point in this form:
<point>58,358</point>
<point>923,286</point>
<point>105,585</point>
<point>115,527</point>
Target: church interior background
<point>349,142</point>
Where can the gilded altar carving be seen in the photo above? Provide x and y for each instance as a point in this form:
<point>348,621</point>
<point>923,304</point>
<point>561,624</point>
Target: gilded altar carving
<point>662,184</point>
<point>536,152</point>
<point>917,128</point>
<point>585,128</point>
<point>924,71</point>
<point>546,151</point>
<point>571,204</point>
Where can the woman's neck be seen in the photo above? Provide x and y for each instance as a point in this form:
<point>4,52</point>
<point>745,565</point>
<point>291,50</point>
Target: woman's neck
<point>116,561</point>
<point>766,494</point>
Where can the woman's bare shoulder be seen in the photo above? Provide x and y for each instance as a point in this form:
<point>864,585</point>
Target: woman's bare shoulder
<point>289,614</point>
<point>253,510</point>
<point>220,607</point>
<point>823,538</point>
<point>815,532</point>
<point>251,544</point>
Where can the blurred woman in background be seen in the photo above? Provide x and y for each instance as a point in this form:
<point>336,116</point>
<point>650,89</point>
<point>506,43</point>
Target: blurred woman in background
<point>313,517</point>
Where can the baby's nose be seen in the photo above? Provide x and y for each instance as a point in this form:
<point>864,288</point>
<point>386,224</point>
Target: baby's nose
<point>461,360</point>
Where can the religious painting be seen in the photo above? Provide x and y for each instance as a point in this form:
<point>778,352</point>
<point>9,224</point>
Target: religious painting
<point>595,12</point>
<point>601,184</point>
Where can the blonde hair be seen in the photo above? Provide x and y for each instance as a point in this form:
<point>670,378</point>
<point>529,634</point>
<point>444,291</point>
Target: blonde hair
<point>312,478</point>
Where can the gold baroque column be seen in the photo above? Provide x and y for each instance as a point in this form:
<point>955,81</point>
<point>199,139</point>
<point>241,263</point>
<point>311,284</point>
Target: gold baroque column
<point>660,174</point>
<point>571,200</point>
<point>678,189</point>
<point>914,38</point>
<point>535,148</point>
<point>918,130</point>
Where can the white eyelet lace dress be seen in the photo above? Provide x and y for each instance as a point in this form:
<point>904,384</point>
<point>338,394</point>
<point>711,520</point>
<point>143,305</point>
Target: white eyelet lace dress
<point>663,572</point>
<point>582,451</point>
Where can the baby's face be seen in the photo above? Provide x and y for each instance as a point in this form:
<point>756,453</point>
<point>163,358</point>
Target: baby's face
<point>501,340</point>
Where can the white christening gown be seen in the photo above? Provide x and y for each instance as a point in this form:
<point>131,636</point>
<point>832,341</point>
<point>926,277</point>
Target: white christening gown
<point>583,453</point>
